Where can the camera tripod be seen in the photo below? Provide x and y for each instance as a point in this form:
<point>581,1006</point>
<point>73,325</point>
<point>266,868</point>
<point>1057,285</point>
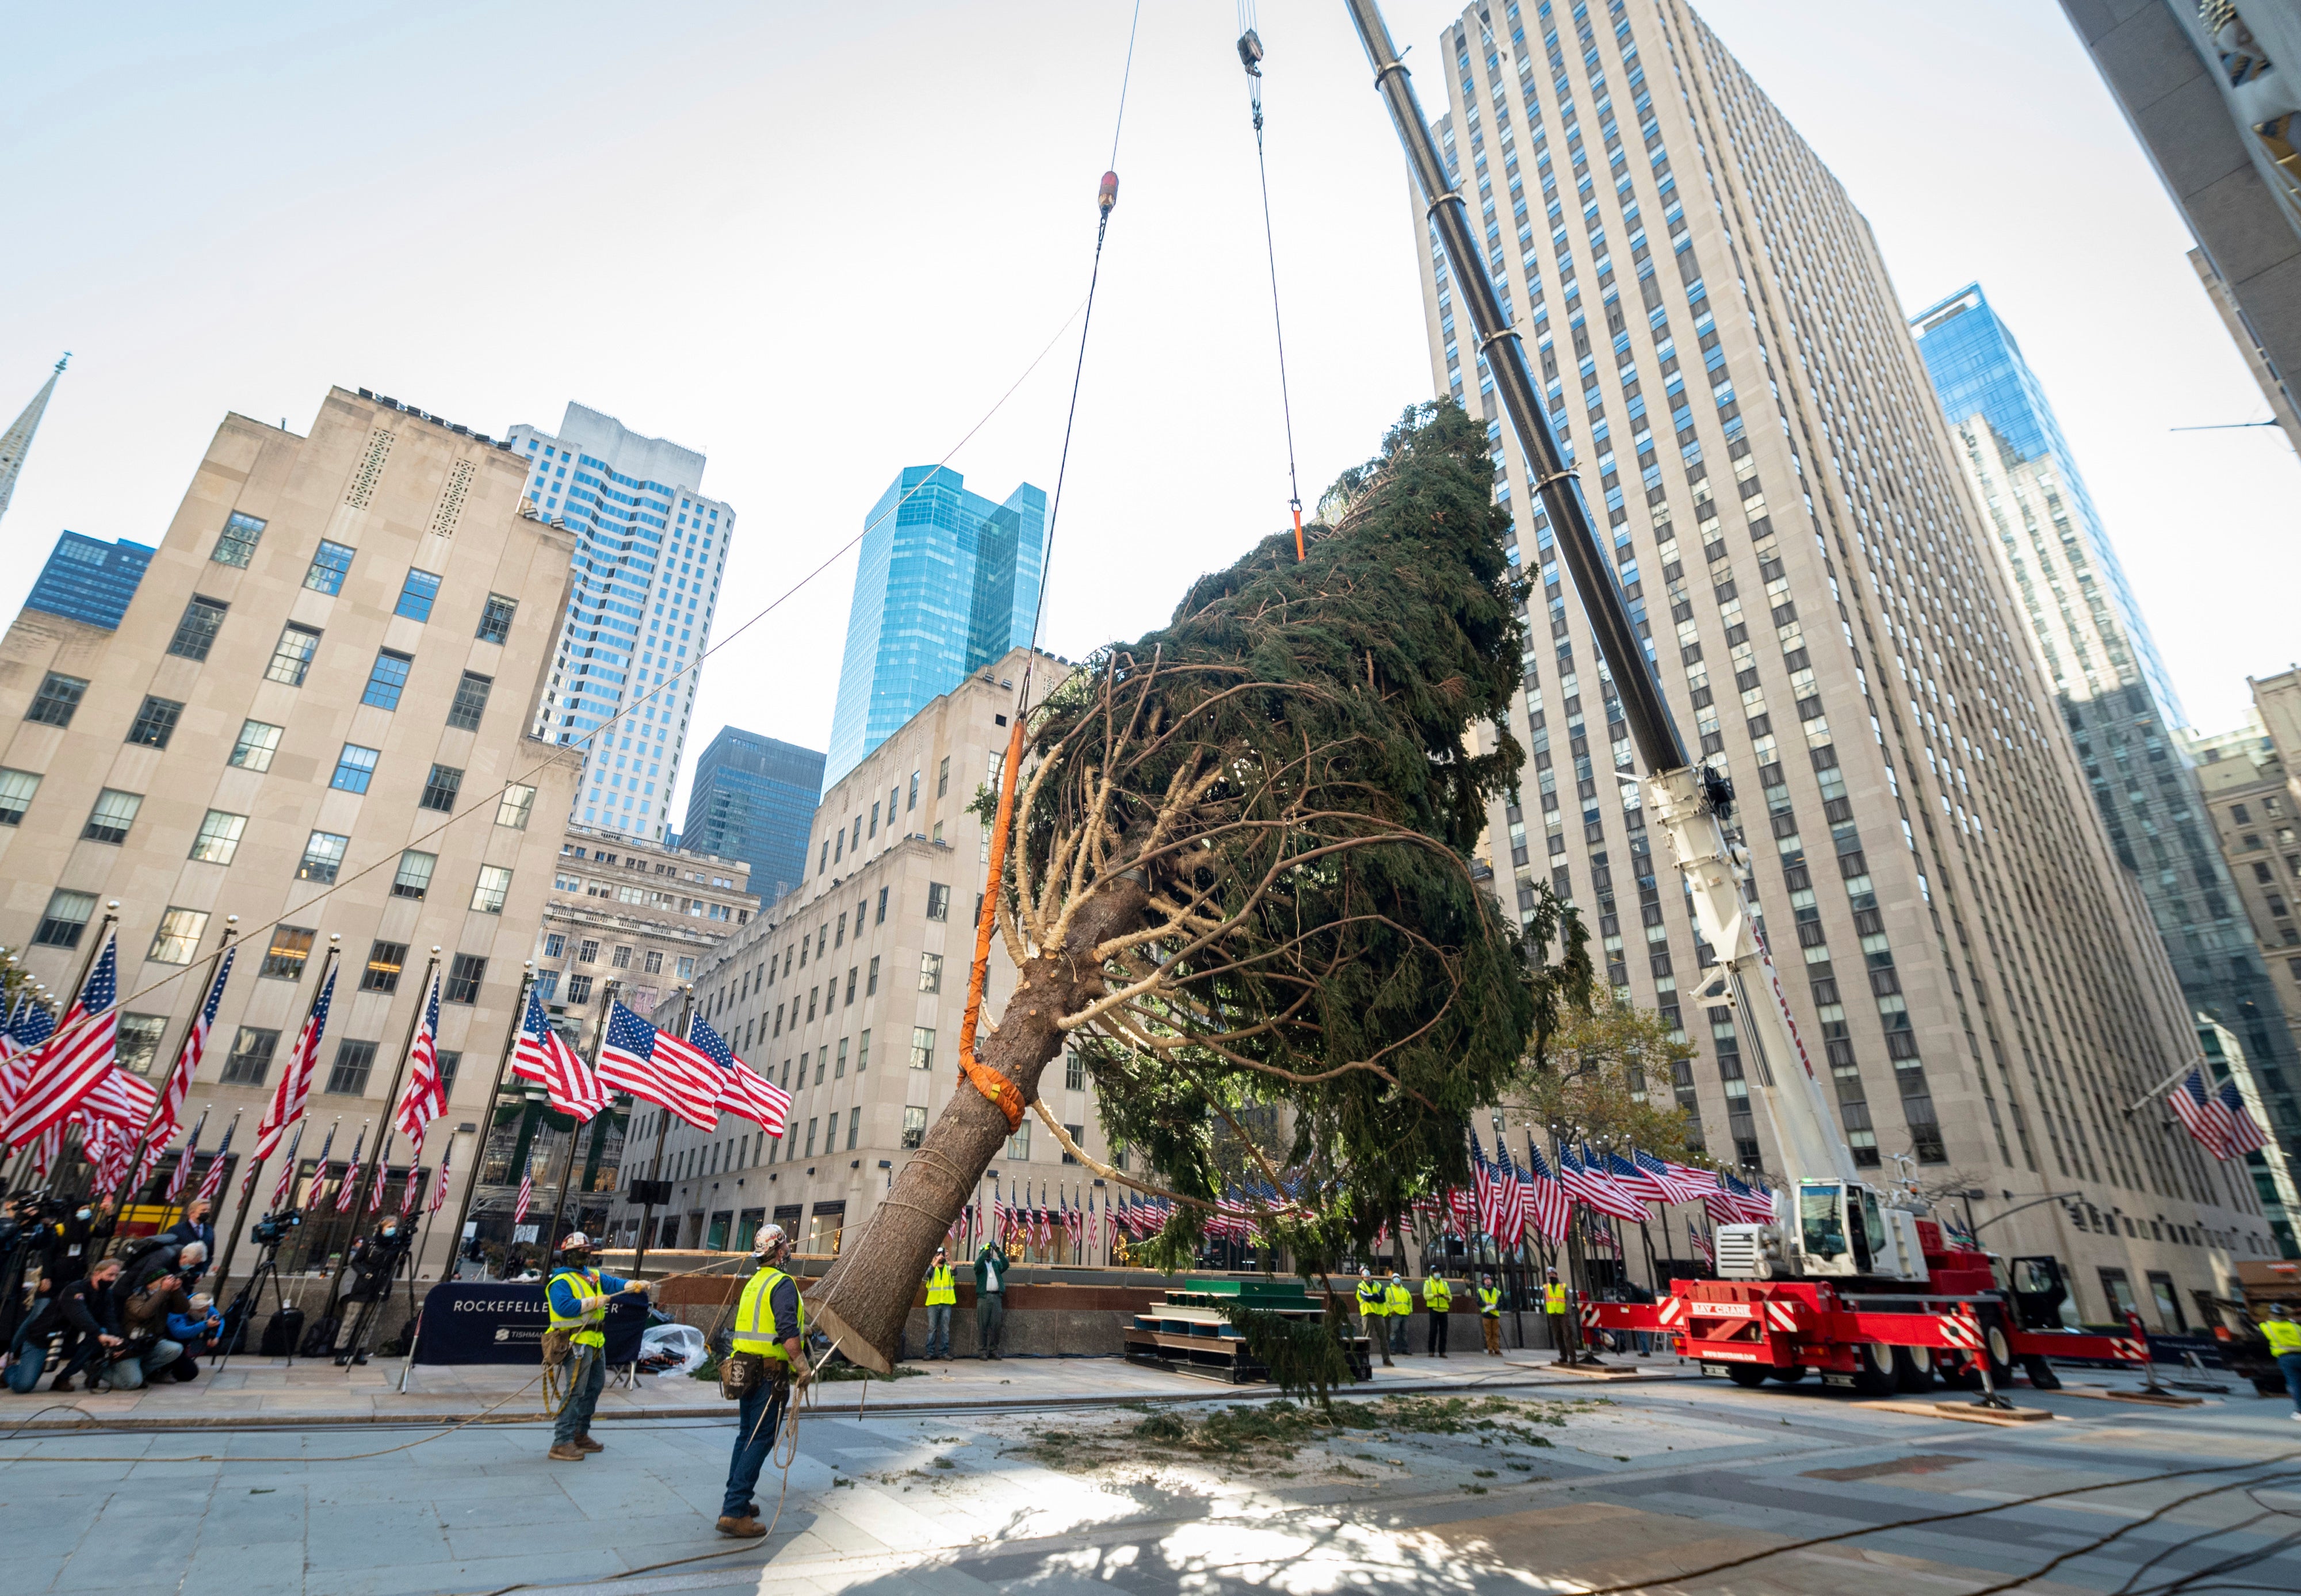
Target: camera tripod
<point>240,1315</point>
<point>373,1297</point>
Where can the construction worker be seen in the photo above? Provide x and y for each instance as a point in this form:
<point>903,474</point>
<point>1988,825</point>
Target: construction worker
<point>577,1297</point>
<point>1490,1315</point>
<point>1438,1297</point>
<point>1555,1306</point>
<point>942,1295</point>
<point>771,1332</point>
<point>2284,1337</point>
<point>1372,1313</point>
<point>1398,1303</point>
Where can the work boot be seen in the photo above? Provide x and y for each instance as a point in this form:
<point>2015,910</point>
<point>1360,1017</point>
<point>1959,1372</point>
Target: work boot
<point>589,1445</point>
<point>61,1382</point>
<point>746,1528</point>
<point>569,1453</point>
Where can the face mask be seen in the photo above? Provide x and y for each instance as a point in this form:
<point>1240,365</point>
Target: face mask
<point>85,1214</point>
<point>388,1232</point>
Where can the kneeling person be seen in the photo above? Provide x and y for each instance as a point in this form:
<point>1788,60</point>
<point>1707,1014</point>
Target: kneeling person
<point>769,1352</point>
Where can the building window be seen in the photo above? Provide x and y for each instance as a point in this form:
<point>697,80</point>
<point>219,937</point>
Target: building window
<point>494,885</point>
<point>355,768</point>
<point>553,945</point>
<point>1018,1145</point>
<point>329,567</point>
<point>915,1127</point>
<point>177,942</point>
<point>196,634</point>
<point>1077,1133</point>
<point>938,901</point>
<point>471,701</point>
<point>236,544</point>
<point>114,814</point>
<point>587,951</point>
<point>623,958</point>
<point>156,722</point>
<point>652,965</point>
<point>292,657</point>
<point>323,855</point>
<point>810,1136</point>
<point>579,989</point>
<point>439,789</point>
<point>58,696</point>
<point>291,946</point>
<point>416,594</point>
<point>414,877</point>
<point>1074,1074</point>
<point>943,777</point>
<point>66,917</point>
<point>495,620</point>
<point>218,838</point>
<point>854,1125</point>
<point>258,741</point>
<point>930,972</point>
<point>385,960</point>
<point>518,803</point>
<point>880,917</point>
<point>449,1062</point>
<point>385,682</point>
<point>250,1058</point>
<point>547,985</point>
<point>913,801</point>
<point>687,967</point>
<point>871,985</point>
<point>139,1040</point>
<point>464,975</point>
<point>921,1048</point>
<point>16,790</point>
<point>862,1052</point>
<point>348,1076</point>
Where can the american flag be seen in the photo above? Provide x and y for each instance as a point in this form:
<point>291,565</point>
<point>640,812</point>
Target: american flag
<point>183,1173</point>
<point>997,1232</point>
<point>295,1088</point>
<point>425,1096</point>
<point>286,1186</point>
<point>179,1083</point>
<point>1596,1235</point>
<point>317,1192</point>
<point>382,1176</point>
<point>124,1099</point>
<point>2194,1107</point>
<point>526,1192</point>
<point>71,1063</point>
<point>20,1045</point>
<point>414,1179</point>
<point>1548,1203</point>
<point>543,1057</point>
<point>660,1068</point>
<point>1462,1209</point>
<point>212,1181</point>
<point>1512,1212</point>
<point>439,1182</point>
<point>1591,1188</point>
<point>1702,1248</point>
<point>1486,1188</point>
<point>1737,1202</point>
<point>747,1094</point>
<point>1633,1177</point>
<point>1681,1181</point>
<point>2244,1135</point>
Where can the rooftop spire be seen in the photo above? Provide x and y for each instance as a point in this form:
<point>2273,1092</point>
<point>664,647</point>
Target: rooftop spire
<point>16,442</point>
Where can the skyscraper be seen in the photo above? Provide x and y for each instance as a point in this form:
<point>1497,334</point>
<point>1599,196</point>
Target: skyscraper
<point>1725,363</point>
<point>948,583</point>
<point>16,442</point>
<point>754,799</point>
<point>2109,686</point>
<point>649,551</point>
<point>89,581</point>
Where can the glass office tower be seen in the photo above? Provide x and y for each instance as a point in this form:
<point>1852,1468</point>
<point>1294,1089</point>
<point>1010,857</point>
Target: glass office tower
<point>85,579</point>
<point>949,582</point>
<point>754,799</point>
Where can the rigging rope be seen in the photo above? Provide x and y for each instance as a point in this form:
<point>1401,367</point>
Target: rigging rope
<point>1250,56</point>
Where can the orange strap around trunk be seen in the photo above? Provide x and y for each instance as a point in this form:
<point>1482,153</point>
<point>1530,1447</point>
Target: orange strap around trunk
<point>987,1081</point>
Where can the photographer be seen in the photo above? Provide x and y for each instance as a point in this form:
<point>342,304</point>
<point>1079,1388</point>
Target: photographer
<point>198,1329</point>
<point>375,1260</point>
<point>73,1241</point>
<point>85,1309</point>
<point>194,1226</point>
<point>143,1350</point>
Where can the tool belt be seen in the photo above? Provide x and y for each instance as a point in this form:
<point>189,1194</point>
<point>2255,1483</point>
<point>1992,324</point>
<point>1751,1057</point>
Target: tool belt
<point>742,1373</point>
<point>558,1345</point>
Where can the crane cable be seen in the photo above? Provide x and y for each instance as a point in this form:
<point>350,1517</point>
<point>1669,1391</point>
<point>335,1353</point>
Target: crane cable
<point>1250,56</point>
<point>985,1079</point>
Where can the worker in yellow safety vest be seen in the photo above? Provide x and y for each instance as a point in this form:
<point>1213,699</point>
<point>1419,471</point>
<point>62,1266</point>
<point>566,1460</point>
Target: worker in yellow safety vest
<point>1555,1304</point>
<point>1438,1297</point>
<point>1372,1312</point>
<point>1398,1303</point>
<point>2284,1338</point>
<point>770,1344</point>
<point>1490,1315</point>
<point>942,1295</point>
<point>577,1297</point>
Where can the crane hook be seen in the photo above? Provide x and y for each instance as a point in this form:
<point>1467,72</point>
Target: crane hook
<point>1107,196</point>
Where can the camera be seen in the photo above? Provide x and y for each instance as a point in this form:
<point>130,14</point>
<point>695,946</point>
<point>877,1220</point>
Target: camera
<point>274,1228</point>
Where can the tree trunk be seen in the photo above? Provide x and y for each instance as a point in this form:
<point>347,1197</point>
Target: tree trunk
<point>864,1300</point>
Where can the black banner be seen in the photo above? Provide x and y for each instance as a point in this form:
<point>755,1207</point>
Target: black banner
<point>504,1321</point>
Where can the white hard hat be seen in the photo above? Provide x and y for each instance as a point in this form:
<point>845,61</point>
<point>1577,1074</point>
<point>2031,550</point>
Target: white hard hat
<point>770,1237</point>
<point>575,1238</point>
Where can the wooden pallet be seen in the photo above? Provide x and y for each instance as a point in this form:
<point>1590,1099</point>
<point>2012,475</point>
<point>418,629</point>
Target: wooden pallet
<point>1187,1334</point>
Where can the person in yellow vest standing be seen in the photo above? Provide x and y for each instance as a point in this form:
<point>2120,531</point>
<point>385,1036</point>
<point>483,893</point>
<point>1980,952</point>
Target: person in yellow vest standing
<point>1490,1315</point>
<point>2284,1337</point>
<point>942,1295</point>
<point>1560,1312</point>
<point>577,1298</point>
<point>1398,1303</point>
<point>1438,1297</point>
<point>1372,1313</point>
<point>765,1362</point>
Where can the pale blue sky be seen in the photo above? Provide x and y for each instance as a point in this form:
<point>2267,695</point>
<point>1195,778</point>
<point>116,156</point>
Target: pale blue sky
<point>818,241</point>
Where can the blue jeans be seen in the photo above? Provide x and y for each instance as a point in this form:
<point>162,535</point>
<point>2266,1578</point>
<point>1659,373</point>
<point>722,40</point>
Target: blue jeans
<point>757,1420</point>
<point>2290,1362</point>
<point>938,1330</point>
<point>587,1377</point>
<point>129,1374</point>
<point>31,1358</point>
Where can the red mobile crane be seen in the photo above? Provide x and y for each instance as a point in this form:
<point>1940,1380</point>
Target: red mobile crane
<point>1848,1279</point>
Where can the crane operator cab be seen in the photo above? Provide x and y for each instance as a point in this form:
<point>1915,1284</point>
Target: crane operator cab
<point>1842,1229</point>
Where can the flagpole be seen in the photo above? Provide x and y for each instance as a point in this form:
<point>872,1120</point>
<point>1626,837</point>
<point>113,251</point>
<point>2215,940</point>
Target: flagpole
<point>487,1122</point>
<point>247,1184</point>
<point>390,1101</point>
<point>662,1130</point>
<point>576,1132</point>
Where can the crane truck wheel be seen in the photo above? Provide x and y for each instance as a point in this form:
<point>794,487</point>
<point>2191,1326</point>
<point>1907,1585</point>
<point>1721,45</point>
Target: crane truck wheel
<point>1789,1374</point>
<point>1913,1369</point>
<point>1747,1376</point>
<point>1873,1369</point>
<point>2041,1372</point>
